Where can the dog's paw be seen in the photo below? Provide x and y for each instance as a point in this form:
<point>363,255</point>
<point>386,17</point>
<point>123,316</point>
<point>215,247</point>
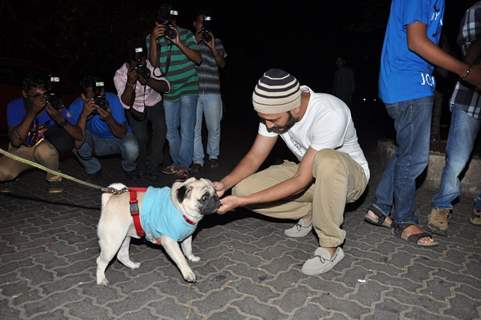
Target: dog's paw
<point>133,265</point>
<point>103,282</point>
<point>189,276</point>
<point>193,258</point>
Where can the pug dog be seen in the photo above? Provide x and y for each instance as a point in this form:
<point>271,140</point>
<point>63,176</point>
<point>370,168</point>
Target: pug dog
<point>167,215</point>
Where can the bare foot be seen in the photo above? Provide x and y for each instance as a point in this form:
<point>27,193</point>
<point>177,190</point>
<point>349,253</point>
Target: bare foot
<point>373,217</point>
<point>413,230</point>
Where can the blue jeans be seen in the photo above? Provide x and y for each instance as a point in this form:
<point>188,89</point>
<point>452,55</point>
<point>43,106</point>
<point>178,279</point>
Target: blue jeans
<point>396,192</point>
<point>93,145</point>
<point>210,107</point>
<point>462,135</point>
<point>181,113</point>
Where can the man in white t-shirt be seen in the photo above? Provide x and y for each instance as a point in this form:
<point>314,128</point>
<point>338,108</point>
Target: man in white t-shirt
<point>332,169</point>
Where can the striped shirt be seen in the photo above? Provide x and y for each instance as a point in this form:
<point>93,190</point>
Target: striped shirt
<point>208,70</point>
<point>464,95</point>
<point>176,66</point>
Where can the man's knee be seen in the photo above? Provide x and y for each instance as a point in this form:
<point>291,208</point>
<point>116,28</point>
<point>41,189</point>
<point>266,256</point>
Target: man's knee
<point>241,189</point>
<point>6,174</point>
<point>131,147</point>
<point>326,162</point>
<point>46,153</point>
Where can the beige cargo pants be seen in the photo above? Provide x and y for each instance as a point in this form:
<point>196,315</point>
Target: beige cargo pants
<point>338,180</point>
<point>43,153</point>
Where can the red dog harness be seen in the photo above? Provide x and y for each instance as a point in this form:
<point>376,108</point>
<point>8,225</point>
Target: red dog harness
<point>134,209</point>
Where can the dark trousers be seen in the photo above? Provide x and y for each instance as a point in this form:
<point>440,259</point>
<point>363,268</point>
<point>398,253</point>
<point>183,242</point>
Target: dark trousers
<point>139,122</point>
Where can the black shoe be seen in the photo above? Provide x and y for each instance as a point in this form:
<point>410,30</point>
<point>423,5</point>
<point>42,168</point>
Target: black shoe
<point>6,186</point>
<point>196,167</point>
<point>213,163</point>
<point>55,186</point>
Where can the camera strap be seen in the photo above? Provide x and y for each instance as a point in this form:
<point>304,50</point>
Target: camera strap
<point>167,60</point>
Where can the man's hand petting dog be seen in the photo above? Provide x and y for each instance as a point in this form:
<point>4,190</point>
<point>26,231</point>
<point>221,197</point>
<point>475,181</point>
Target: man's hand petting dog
<point>167,215</point>
<point>229,203</point>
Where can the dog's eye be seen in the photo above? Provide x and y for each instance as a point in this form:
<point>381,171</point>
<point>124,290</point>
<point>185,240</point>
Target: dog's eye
<point>204,198</point>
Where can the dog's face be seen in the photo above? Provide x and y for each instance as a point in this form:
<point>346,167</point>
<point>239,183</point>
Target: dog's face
<point>196,196</point>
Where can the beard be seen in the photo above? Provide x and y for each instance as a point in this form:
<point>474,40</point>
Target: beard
<point>291,121</point>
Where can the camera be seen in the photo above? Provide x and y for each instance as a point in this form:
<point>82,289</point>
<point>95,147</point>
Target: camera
<point>141,66</point>
<point>52,98</point>
<point>163,18</point>
<point>205,32</point>
<point>99,95</point>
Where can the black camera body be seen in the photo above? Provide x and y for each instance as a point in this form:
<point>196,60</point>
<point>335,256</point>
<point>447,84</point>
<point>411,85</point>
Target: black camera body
<point>52,98</point>
<point>163,18</point>
<point>99,96</point>
<point>206,29</point>
<point>140,65</point>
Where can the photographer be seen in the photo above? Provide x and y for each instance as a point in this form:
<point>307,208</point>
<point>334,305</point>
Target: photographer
<point>209,104</point>
<point>101,117</point>
<point>30,120</point>
<point>174,51</point>
<point>140,89</point>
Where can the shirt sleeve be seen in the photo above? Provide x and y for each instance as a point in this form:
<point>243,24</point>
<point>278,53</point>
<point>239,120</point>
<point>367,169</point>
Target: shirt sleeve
<point>220,47</point>
<point>15,112</point>
<point>120,79</point>
<point>263,131</point>
<point>116,108</point>
<point>329,131</point>
<point>190,40</point>
<point>75,109</point>
<point>470,30</point>
<point>415,11</point>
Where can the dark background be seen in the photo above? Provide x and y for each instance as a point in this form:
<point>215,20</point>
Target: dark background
<point>71,38</point>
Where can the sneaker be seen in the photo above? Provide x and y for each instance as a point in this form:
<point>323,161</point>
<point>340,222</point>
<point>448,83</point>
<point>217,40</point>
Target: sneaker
<point>6,186</point>
<point>299,230</point>
<point>196,167</point>
<point>438,221</point>
<point>475,217</point>
<point>322,262</point>
<point>213,163</point>
<point>55,186</point>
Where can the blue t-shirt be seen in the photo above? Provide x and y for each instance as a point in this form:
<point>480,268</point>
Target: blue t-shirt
<point>17,111</point>
<point>95,124</point>
<point>159,216</point>
<point>404,74</point>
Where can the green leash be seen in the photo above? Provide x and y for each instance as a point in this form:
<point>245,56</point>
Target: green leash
<point>56,173</point>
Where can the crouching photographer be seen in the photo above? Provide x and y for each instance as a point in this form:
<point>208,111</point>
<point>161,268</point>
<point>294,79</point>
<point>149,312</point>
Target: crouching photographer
<point>140,87</point>
<point>39,129</point>
<point>101,118</point>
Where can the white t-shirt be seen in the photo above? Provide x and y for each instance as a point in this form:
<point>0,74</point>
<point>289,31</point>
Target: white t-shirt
<point>327,124</point>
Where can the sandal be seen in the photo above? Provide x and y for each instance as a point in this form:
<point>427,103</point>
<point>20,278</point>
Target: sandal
<point>381,218</point>
<point>414,238</point>
<point>475,217</point>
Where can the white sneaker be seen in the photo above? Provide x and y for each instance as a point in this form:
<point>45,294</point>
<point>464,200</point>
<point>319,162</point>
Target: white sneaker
<point>322,262</point>
<point>298,230</point>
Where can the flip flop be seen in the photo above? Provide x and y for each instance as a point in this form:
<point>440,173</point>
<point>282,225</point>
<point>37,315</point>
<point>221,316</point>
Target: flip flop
<point>381,218</point>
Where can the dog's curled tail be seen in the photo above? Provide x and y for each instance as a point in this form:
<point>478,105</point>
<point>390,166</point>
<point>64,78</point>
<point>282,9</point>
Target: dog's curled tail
<point>107,195</point>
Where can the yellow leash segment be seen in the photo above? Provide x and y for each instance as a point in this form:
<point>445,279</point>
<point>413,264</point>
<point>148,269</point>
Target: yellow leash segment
<point>55,173</point>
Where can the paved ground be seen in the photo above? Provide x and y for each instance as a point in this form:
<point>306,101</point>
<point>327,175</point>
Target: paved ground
<point>248,269</point>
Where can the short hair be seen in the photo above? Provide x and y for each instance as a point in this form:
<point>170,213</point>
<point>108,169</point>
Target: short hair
<point>33,80</point>
<point>88,81</point>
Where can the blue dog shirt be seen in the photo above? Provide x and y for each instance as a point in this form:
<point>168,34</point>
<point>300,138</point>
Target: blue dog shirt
<point>159,216</point>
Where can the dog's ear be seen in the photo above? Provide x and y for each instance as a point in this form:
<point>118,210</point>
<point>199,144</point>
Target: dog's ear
<point>181,193</point>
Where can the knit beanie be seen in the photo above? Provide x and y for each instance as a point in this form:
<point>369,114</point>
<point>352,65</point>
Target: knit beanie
<point>276,91</point>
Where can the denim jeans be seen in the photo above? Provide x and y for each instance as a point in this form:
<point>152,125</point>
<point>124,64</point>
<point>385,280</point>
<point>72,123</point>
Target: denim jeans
<point>462,135</point>
<point>180,116</point>
<point>93,145</point>
<point>210,107</point>
<point>396,192</point>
